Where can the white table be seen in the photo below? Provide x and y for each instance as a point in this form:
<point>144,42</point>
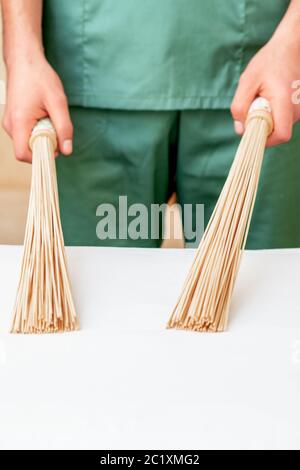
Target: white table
<point>126,382</point>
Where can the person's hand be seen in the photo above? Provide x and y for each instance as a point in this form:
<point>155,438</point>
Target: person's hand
<point>35,91</point>
<point>271,74</point>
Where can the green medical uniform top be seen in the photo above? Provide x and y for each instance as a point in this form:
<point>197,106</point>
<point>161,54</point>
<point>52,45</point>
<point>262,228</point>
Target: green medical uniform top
<point>155,54</point>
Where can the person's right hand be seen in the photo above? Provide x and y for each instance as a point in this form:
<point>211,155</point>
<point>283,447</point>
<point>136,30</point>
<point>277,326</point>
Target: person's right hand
<point>35,91</point>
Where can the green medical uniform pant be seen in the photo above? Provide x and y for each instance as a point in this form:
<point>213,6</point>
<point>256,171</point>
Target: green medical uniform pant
<point>146,155</point>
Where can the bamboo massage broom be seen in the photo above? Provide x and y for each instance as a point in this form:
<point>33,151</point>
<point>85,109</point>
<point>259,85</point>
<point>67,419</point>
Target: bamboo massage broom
<point>205,298</point>
<point>44,301</point>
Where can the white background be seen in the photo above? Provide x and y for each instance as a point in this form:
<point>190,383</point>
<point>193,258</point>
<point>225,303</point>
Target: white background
<point>125,382</point>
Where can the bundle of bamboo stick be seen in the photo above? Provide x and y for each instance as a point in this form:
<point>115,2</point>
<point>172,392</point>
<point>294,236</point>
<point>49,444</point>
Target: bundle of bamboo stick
<point>205,298</point>
<point>44,300</point>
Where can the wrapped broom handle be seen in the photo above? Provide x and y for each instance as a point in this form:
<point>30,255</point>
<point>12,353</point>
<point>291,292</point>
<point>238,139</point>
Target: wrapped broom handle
<point>261,108</point>
<point>44,128</point>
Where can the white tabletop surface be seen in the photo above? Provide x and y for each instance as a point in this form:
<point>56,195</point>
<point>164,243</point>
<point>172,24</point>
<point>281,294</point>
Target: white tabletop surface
<point>125,382</point>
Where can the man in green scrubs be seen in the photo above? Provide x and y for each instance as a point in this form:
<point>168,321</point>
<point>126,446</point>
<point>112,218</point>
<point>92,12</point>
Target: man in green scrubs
<point>149,86</point>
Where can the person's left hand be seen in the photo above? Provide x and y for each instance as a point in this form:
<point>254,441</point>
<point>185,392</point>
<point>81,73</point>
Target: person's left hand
<point>271,74</point>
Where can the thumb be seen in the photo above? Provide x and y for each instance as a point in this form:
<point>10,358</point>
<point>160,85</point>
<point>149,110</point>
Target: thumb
<point>60,117</point>
<point>244,95</point>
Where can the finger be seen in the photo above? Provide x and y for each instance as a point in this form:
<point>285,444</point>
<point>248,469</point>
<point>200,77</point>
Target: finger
<point>60,116</point>
<point>246,91</point>
<point>21,133</point>
<point>6,124</point>
<point>283,117</point>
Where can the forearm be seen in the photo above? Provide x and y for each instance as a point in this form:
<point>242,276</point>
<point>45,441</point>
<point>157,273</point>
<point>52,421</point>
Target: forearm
<point>289,27</point>
<point>22,29</point>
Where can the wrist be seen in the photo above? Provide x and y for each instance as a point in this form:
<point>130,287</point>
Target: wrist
<point>29,50</point>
